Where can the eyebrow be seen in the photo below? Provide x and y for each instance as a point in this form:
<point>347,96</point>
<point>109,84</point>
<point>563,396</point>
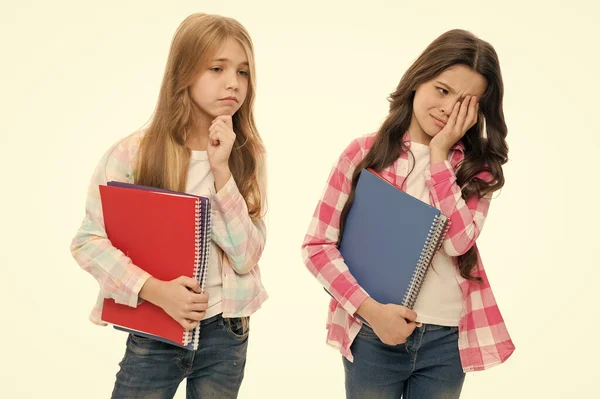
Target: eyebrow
<point>450,89</point>
<point>227,60</point>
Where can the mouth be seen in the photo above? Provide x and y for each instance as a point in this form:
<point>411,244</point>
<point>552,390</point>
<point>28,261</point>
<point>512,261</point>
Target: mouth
<point>438,122</point>
<point>229,99</point>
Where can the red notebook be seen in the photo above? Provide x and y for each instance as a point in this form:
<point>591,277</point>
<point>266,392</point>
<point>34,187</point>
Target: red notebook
<point>167,234</point>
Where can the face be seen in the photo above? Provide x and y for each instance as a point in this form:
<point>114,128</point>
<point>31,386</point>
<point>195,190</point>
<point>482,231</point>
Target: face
<point>434,100</point>
<point>221,87</point>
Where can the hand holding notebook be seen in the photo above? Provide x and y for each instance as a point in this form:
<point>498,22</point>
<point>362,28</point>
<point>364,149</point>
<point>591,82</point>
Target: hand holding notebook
<point>181,298</point>
<point>393,324</point>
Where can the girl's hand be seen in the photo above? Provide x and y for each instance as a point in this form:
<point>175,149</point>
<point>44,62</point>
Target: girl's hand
<point>463,117</point>
<point>220,142</point>
<point>179,298</point>
<point>393,324</point>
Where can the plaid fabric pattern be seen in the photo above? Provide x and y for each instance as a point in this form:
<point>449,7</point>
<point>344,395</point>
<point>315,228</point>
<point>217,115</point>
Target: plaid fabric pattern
<point>241,238</point>
<point>483,338</point>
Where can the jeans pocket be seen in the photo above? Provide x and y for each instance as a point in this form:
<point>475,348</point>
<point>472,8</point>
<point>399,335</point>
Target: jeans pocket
<point>142,346</point>
<point>237,327</point>
<point>367,332</point>
<point>141,340</point>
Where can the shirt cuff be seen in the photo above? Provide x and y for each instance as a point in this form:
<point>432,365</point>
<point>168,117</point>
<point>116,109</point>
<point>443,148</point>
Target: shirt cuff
<point>227,195</point>
<point>355,300</point>
<point>439,172</point>
<point>136,280</point>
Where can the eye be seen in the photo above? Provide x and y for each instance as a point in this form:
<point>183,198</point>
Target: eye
<point>244,73</point>
<point>442,90</point>
<point>216,69</point>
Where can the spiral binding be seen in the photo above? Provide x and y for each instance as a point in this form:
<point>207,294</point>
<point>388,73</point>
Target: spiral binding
<point>202,254</point>
<point>205,256</point>
<point>206,242</point>
<point>444,233</point>
<point>187,335</point>
<point>433,242</point>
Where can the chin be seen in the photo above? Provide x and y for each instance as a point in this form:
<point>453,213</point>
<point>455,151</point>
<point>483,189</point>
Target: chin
<point>227,111</point>
<point>217,113</point>
<point>432,132</point>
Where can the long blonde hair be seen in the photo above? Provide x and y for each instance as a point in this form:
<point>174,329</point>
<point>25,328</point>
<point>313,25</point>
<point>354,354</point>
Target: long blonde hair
<point>163,157</point>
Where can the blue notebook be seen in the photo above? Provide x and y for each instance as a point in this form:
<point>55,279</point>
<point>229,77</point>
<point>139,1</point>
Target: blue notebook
<point>389,240</point>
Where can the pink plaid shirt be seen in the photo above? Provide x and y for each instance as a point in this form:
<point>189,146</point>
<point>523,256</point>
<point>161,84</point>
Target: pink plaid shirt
<point>483,338</point>
<point>241,238</point>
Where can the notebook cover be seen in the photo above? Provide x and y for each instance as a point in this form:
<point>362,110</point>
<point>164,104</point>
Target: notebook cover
<point>384,235</point>
<point>157,232</point>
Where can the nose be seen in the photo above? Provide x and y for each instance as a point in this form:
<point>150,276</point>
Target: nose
<point>232,82</point>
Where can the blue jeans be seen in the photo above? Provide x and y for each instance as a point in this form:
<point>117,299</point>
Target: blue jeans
<point>153,370</point>
<point>427,366</point>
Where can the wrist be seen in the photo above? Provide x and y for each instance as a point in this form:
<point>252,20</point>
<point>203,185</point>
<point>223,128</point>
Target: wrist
<point>368,309</point>
<point>222,176</point>
<point>150,291</point>
<point>221,170</point>
<point>437,155</point>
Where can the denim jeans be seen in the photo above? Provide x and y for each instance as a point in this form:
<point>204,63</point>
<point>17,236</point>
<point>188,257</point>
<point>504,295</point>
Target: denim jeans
<point>152,369</point>
<point>427,366</point>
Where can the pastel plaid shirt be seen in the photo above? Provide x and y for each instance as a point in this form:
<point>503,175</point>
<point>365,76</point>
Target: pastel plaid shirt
<point>241,239</point>
<point>483,339</point>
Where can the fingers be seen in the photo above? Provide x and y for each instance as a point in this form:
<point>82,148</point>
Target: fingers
<point>219,125</point>
<point>197,307</point>
<point>189,324</point>
<point>226,119</point>
<point>463,117</point>
<point>410,327</point>
<point>214,138</point>
<point>218,134</point>
<point>216,124</point>
<point>462,113</point>
<point>195,311</point>
<point>407,313</point>
<point>190,283</point>
<point>452,120</point>
<point>197,295</point>
<point>219,131</point>
<point>406,332</point>
<point>195,316</point>
<point>473,111</point>
<point>200,298</point>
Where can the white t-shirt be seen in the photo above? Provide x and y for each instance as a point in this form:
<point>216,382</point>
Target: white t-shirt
<point>440,299</point>
<point>200,181</point>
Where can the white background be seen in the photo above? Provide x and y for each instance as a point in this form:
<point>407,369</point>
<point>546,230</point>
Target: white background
<point>77,76</point>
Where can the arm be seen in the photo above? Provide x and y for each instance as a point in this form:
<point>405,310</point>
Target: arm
<point>392,323</point>
<point>319,251</point>
<point>93,251</point>
<point>241,238</point>
<point>118,277</point>
<point>466,217</point>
